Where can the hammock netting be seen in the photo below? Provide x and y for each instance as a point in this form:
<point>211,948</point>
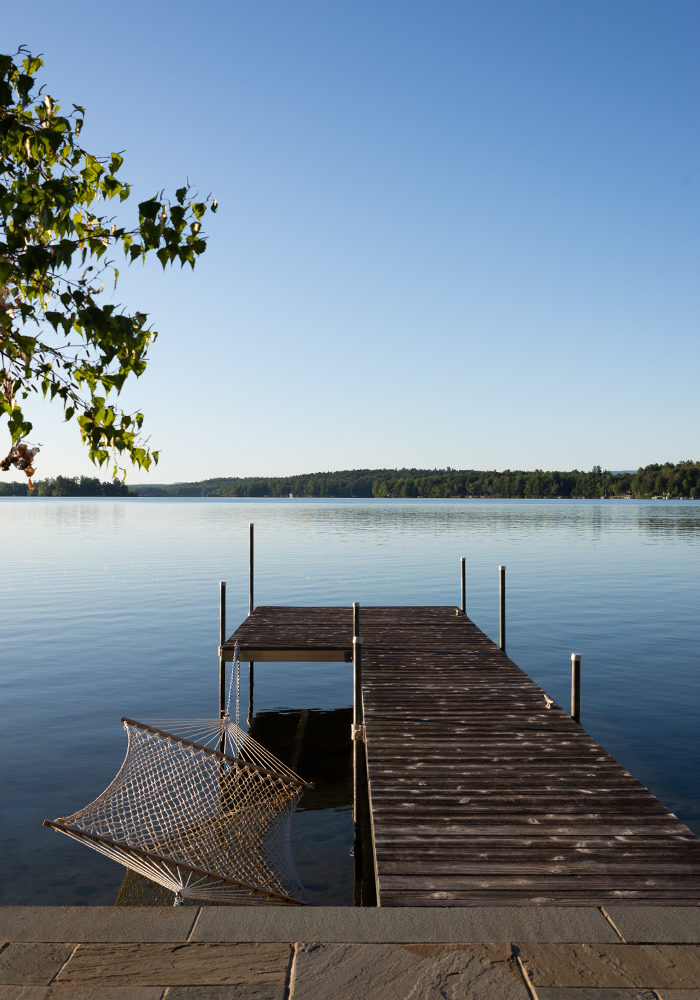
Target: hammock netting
<point>202,809</point>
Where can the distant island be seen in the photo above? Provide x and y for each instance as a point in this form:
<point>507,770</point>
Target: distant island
<point>681,480</point>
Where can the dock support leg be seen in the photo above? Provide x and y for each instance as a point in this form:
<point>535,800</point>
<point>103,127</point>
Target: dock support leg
<point>222,662</point>
<point>576,687</point>
<point>357,767</point>
<point>502,603</point>
<point>251,605</point>
<point>463,569</point>
<point>251,685</point>
<point>251,567</point>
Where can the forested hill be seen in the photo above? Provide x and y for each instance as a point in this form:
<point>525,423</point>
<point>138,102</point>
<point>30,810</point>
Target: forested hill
<point>681,480</point>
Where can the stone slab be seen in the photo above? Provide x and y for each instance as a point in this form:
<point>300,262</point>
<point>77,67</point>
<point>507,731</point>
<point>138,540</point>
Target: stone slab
<point>618,966</point>
<point>561,993</point>
<point>223,993</point>
<point>384,925</point>
<point>393,972</point>
<point>80,993</point>
<point>96,923</point>
<point>240,965</point>
<point>660,924</point>
<point>32,964</point>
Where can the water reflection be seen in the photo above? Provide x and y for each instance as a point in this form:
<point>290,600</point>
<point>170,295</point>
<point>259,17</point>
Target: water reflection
<point>676,521</point>
<point>317,745</point>
<point>478,517</point>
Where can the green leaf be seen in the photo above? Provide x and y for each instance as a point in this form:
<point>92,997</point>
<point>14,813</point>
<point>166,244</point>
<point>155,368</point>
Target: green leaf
<point>6,270</point>
<point>110,186</point>
<point>149,209</point>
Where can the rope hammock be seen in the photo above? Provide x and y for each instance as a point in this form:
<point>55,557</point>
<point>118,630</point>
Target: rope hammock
<point>199,807</point>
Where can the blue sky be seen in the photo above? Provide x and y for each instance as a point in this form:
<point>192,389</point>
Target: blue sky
<point>453,233</point>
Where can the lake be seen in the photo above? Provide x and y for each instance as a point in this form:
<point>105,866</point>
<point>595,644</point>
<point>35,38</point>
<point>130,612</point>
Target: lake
<point>110,608</point>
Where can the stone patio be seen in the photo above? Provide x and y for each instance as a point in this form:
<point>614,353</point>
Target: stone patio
<point>334,953</point>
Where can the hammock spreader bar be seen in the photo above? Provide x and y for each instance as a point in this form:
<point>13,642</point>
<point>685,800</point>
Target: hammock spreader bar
<point>294,780</point>
<point>152,856</point>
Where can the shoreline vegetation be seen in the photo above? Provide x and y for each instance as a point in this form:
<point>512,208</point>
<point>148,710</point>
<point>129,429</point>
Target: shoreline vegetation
<point>66,486</point>
<point>667,481</point>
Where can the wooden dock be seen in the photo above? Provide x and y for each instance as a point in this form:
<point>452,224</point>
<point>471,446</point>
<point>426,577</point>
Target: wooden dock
<point>481,789</point>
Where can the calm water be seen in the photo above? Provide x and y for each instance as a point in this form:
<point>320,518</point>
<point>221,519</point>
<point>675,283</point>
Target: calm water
<point>110,608</point>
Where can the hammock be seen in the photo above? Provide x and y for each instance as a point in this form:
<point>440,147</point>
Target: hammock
<point>199,807</point>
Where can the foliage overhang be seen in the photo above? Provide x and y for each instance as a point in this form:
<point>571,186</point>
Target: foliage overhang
<point>59,336</point>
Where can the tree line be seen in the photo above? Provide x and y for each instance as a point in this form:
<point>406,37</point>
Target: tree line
<point>667,480</point>
<point>675,480</point>
<point>66,486</point>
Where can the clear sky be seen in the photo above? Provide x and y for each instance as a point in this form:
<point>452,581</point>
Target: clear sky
<point>450,234</point>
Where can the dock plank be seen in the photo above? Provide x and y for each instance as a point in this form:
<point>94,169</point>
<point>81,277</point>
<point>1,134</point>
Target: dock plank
<point>482,790</point>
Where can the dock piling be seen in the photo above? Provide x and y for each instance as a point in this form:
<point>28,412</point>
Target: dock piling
<point>357,764</point>
<point>502,603</point>
<point>222,640</point>
<point>222,661</point>
<point>463,569</point>
<point>251,605</point>
<point>576,687</point>
<point>251,561</point>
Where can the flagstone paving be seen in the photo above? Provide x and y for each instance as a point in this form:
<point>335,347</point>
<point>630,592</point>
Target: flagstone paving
<point>335,953</point>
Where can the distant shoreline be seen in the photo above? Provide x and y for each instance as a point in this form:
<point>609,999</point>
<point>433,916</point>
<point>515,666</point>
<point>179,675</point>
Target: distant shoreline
<point>680,481</point>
